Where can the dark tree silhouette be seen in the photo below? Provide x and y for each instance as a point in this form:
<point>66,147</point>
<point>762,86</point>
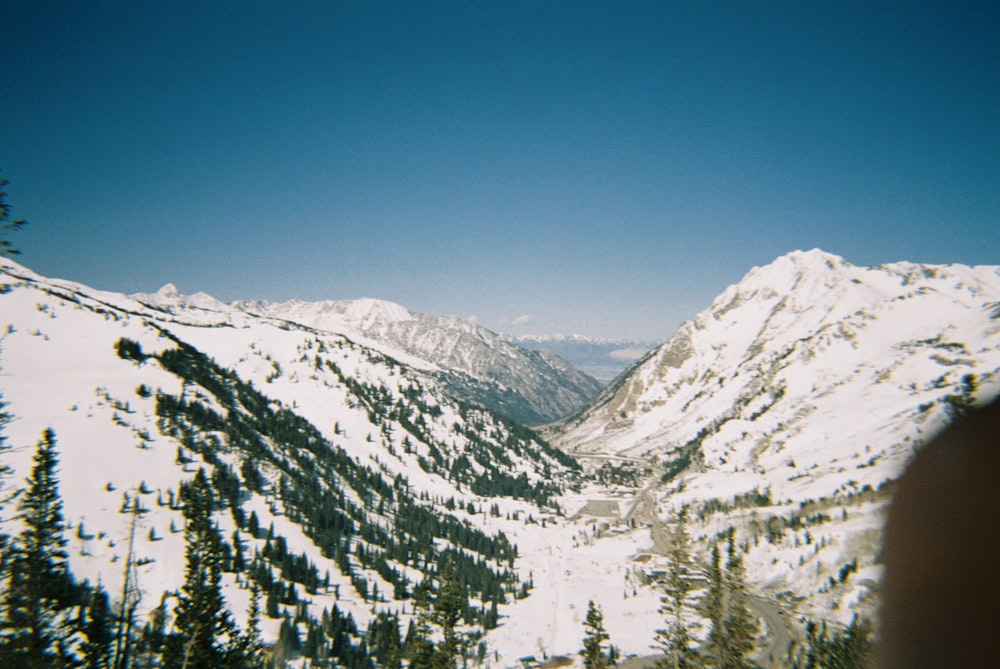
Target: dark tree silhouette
<point>7,225</point>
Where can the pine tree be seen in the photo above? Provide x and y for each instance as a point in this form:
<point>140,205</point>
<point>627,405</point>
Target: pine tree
<point>594,637</point>
<point>251,646</point>
<point>393,654</point>
<point>383,640</point>
<point>203,628</point>
<point>715,611</point>
<point>6,224</point>
<point>675,640</point>
<point>741,626</point>
<point>419,647</point>
<point>449,607</point>
<point>37,579</point>
<point>4,469</point>
<point>97,647</point>
<point>5,549</point>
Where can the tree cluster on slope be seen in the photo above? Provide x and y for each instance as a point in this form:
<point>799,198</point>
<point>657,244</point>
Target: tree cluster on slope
<point>313,472</point>
<point>46,618</point>
<point>358,519</point>
<point>826,649</point>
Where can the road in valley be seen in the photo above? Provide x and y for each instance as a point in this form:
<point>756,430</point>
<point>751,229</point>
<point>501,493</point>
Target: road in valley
<point>779,634</point>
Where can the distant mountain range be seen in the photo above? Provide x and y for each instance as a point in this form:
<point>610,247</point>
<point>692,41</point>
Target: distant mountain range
<point>474,363</point>
<point>603,359</point>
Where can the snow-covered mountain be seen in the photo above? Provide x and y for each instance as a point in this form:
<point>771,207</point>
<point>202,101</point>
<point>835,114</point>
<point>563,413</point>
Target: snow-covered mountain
<point>875,349</point>
<point>784,411</point>
<point>352,474</point>
<point>603,359</point>
<point>802,391</point>
<point>476,364</point>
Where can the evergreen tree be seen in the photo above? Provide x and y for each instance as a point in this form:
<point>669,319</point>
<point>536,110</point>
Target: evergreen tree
<point>203,628</point>
<point>4,469</point>
<point>251,646</point>
<point>594,637</point>
<point>394,651</point>
<point>741,626</point>
<point>734,630</point>
<point>491,619</point>
<point>449,607</point>
<point>383,640</point>
<point>675,640</point>
<point>97,647</point>
<point>6,224</point>
<point>38,582</point>
<point>715,611</point>
<point>4,472</point>
<point>419,647</point>
<point>288,637</point>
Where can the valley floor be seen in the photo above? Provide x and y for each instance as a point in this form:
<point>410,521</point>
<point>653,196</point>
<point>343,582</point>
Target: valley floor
<point>610,547</point>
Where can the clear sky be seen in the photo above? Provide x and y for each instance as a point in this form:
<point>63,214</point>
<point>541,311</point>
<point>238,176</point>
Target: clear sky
<point>605,168</point>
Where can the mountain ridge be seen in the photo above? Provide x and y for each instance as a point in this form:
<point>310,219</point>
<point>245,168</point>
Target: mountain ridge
<point>797,297</point>
<point>478,364</point>
<point>807,387</point>
<point>362,468</point>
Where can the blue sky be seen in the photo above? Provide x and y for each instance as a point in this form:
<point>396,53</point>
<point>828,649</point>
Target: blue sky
<point>604,168</point>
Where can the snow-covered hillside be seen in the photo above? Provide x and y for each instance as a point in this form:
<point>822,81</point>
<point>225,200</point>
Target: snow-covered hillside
<point>475,363</point>
<point>807,346</point>
<point>789,406</point>
<point>360,470</point>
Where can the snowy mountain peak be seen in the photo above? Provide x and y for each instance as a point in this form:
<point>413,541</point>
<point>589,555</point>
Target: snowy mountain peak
<point>369,311</point>
<point>789,274</point>
<point>788,407</point>
<point>168,292</point>
<point>800,261</point>
<point>802,331</point>
<point>170,298</point>
<point>814,257</point>
<point>358,315</point>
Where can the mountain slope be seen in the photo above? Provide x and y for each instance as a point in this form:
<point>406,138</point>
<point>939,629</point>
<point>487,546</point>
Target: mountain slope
<point>797,336</point>
<point>802,392</point>
<point>478,365</point>
<point>350,474</point>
